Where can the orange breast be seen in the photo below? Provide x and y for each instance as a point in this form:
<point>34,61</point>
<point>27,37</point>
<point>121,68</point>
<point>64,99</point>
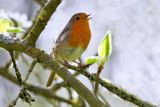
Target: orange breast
<point>80,35</point>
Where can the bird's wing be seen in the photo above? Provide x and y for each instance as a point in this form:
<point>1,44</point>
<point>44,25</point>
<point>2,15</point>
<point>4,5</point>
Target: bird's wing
<point>63,35</point>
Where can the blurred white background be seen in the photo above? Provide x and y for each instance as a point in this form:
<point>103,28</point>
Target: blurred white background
<point>134,63</point>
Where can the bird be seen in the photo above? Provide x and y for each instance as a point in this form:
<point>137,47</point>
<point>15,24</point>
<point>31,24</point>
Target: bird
<point>72,41</point>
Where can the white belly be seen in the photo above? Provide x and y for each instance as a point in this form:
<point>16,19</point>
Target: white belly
<point>68,54</point>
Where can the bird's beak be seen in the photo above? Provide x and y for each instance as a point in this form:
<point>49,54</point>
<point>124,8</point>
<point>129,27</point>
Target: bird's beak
<point>88,16</point>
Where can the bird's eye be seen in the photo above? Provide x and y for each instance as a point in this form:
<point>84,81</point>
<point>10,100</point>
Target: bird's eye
<point>77,18</point>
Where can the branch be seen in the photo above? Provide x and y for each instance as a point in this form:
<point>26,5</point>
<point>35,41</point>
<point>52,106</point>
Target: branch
<point>41,2</point>
<point>29,71</point>
<point>17,72</point>
<point>35,89</point>
<point>41,21</point>
<point>114,89</point>
<point>49,62</point>
<point>100,68</point>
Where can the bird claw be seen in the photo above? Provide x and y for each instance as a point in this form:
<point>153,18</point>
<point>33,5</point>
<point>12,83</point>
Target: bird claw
<point>83,66</point>
<point>66,64</point>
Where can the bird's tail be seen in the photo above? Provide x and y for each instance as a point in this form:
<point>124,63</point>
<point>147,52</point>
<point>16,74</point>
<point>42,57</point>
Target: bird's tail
<point>51,78</point>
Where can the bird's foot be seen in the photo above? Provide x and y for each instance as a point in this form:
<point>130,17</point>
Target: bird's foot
<point>81,65</point>
<point>66,64</point>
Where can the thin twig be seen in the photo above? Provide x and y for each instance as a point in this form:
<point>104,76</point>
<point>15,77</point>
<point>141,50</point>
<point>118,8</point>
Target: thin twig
<point>25,60</point>
<point>29,71</point>
<point>69,93</point>
<point>17,72</point>
<point>8,64</point>
<point>100,67</point>
<point>99,93</point>
<point>13,103</point>
<point>57,86</point>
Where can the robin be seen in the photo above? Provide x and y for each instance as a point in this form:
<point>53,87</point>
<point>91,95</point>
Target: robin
<point>72,41</point>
